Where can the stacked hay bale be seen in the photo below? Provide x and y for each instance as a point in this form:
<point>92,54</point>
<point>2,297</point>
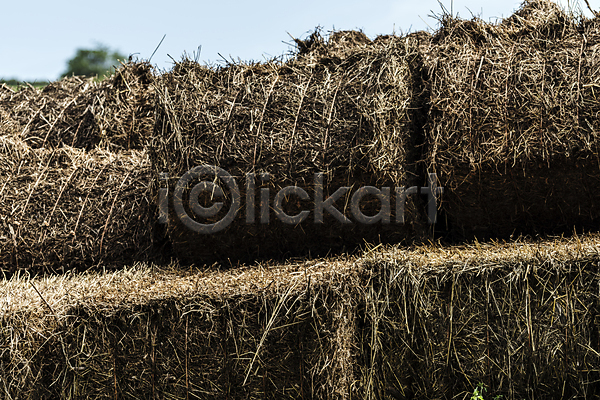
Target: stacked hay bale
<point>280,332</point>
<point>521,318</point>
<point>340,107</point>
<point>69,208</point>
<point>513,127</point>
<point>74,181</point>
<point>117,113</point>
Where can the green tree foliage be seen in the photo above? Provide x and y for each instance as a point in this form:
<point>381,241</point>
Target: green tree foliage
<point>17,84</point>
<point>98,62</point>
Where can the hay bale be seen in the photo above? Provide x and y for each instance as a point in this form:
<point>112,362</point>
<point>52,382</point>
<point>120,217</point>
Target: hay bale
<point>116,113</point>
<point>340,107</point>
<point>520,317</point>
<point>266,332</point>
<point>512,130</point>
<point>7,126</point>
<point>66,208</point>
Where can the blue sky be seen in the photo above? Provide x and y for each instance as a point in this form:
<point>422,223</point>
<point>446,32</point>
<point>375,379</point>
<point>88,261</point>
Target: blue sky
<point>39,37</point>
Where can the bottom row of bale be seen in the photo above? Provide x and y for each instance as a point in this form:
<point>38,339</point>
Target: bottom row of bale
<point>521,319</point>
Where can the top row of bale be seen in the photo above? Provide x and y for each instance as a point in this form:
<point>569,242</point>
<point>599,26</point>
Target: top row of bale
<point>512,127</point>
<point>503,114</point>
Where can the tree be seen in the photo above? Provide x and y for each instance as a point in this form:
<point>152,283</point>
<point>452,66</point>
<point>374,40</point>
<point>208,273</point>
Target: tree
<point>98,62</point>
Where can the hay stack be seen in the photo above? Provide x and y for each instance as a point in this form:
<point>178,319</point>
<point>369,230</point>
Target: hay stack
<point>68,208</point>
<point>117,113</point>
<point>340,107</point>
<point>513,127</point>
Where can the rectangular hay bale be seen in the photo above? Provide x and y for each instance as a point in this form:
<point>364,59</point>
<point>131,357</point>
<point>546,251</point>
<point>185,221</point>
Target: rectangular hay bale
<point>67,208</point>
<point>344,110</point>
<point>512,132</point>
<point>520,318</point>
<point>278,332</point>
